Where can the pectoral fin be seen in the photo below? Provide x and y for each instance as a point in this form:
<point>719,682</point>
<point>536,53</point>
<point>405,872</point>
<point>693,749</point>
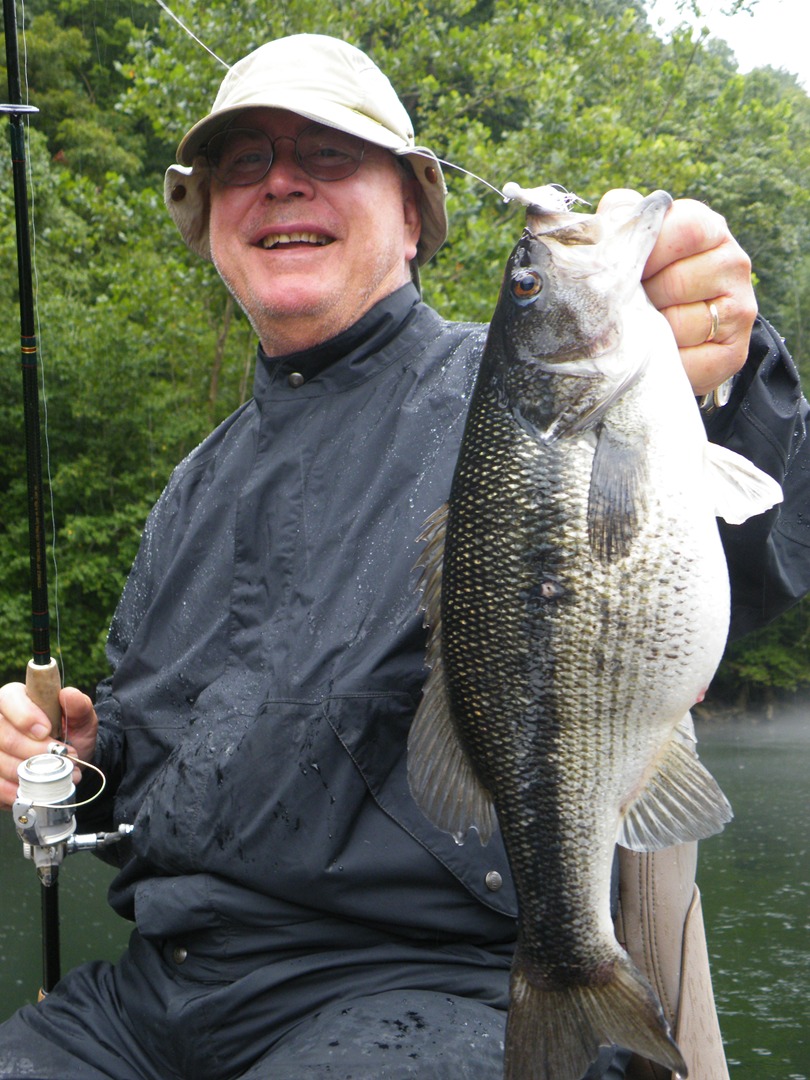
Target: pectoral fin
<point>740,490</point>
<point>616,495</point>
<point>680,801</point>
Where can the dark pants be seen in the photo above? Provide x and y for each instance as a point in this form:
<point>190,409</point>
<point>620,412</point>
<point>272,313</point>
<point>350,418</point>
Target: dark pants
<point>137,1021</point>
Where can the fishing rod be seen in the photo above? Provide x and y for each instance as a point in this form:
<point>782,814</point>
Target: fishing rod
<point>43,810</point>
<point>42,674</point>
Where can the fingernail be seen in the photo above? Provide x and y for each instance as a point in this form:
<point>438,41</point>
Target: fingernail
<point>39,731</point>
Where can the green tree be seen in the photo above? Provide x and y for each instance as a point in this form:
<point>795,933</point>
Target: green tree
<point>143,350</point>
<point>127,394</point>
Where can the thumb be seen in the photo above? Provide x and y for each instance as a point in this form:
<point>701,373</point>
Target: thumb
<point>618,197</point>
<point>77,708</point>
<point>81,722</point>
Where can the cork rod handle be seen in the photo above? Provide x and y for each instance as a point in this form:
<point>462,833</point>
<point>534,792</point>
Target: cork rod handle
<point>42,684</point>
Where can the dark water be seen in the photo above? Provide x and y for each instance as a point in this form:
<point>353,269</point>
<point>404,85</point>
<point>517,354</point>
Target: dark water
<point>755,879</point>
<point>89,928</point>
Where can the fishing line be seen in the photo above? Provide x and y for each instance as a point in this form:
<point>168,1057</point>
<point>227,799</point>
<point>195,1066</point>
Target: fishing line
<point>549,198</point>
<point>191,34</point>
<point>84,802</point>
<point>480,179</point>
<point>552,202</point>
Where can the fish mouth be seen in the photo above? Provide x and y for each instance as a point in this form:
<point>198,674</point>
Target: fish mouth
<point>296,239</point>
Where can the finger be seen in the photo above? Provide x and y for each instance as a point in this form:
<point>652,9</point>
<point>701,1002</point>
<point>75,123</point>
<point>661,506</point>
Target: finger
<point>8,793</point>
<point>690,229</point>
<point>20,713</point>
<point>723,271</point>
<point>693,324</point>
<point>618,197</point>
<point>686,290</point>
<point>710,362</point>
<point>709,366</point>
<point>17,748</point>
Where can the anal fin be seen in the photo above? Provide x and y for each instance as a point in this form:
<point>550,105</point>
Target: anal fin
<point>680,800</point>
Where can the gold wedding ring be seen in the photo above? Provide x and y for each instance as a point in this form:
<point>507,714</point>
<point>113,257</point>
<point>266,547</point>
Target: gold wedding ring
<point>715,322</point>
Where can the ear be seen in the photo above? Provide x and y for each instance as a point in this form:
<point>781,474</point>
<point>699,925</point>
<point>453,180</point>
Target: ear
<point>412,216</point>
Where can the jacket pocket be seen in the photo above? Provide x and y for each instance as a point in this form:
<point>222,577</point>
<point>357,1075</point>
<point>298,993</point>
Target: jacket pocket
<point>374,731</point>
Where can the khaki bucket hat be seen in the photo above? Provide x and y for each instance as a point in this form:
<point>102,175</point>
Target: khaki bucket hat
<point>323,79</point>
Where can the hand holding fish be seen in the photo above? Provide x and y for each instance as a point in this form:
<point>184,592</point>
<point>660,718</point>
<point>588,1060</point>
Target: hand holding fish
<point>697,263</point>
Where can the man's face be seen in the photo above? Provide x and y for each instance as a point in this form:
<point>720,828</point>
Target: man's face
<point>361,233</point>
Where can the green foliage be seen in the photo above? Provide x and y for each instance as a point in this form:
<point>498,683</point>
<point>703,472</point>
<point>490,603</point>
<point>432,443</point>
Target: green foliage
<point>141,347</point>
<point>129,391</point>
<point>772,661</point>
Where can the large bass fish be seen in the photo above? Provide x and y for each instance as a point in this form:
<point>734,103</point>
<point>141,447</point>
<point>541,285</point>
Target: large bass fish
<point>577,595</point>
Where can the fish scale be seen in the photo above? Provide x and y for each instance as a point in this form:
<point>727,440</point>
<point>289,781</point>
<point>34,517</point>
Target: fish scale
<point>577,599</point>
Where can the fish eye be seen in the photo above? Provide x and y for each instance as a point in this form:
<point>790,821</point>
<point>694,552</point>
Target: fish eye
<point>526,286</point>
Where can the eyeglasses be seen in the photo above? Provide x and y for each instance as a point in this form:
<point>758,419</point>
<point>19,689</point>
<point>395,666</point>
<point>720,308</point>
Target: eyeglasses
<point>239,157</point>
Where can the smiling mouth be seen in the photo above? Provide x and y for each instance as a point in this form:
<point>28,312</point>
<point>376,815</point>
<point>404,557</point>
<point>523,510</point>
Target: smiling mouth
<point>307,239</point>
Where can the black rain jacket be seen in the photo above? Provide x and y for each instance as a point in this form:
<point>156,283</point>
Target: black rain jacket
<point>268,657</point>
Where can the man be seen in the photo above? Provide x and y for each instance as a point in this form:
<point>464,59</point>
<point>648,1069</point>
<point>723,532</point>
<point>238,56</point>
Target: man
<point>296,915</point>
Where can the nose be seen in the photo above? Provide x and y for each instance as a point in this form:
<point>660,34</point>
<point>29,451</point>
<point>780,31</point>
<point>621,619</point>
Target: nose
<point>285,178</point>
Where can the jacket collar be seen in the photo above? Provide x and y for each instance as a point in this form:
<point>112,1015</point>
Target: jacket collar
<point>348,358</point>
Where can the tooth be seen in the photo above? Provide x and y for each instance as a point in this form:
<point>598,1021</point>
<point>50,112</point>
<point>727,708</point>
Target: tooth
<point>294,238</point>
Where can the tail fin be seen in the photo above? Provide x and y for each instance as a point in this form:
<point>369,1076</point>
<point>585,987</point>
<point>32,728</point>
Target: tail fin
<point>555,1034</point>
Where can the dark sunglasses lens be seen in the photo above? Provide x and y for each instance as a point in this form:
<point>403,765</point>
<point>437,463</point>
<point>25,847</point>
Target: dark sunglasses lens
<point>240,157</point>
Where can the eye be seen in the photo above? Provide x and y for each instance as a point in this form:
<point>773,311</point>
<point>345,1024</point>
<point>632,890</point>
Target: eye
<point>328,154</point>
<point>526,286</point>
<point>240,156</point>
<point>245,158</point>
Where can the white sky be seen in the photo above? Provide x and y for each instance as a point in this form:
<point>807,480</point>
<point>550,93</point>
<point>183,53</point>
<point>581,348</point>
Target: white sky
<point>776,35</point>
